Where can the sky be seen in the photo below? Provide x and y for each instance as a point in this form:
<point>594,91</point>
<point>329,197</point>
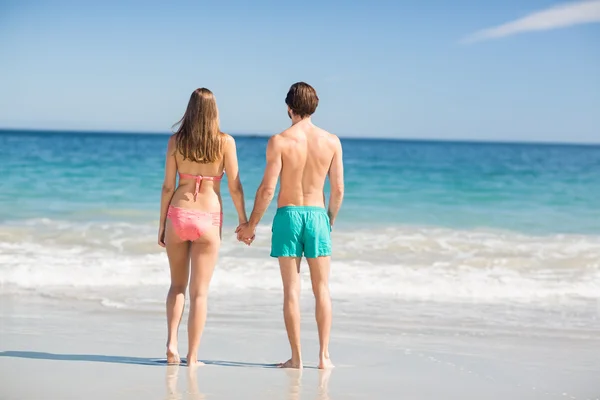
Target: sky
<point>502,70</point>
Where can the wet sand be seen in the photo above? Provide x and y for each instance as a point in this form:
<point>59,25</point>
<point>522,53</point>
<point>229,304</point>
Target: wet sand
<point>59,350</point>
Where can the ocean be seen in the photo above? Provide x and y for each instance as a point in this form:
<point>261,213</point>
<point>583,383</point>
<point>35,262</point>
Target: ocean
<point>491,224</point>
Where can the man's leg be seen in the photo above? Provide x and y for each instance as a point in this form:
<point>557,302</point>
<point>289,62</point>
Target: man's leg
<point>290,275</point>
<point>319,276</point>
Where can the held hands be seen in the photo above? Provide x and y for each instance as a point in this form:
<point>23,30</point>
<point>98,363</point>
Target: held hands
<point>245,233</point>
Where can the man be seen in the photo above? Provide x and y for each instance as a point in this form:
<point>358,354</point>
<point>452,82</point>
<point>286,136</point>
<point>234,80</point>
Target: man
<point>304,155</point>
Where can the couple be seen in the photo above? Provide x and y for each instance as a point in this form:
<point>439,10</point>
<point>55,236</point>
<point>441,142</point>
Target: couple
<point>191,214</point>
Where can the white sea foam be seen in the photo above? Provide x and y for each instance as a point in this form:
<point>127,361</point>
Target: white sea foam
<point>54,257</point>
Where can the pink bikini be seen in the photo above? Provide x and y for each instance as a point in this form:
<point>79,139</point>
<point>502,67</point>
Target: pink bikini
<point>191,224</point>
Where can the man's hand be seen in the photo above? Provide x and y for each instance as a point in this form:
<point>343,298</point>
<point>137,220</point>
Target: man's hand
<point>246,233</point>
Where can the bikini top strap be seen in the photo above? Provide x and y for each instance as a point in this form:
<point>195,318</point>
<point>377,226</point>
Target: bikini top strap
<point>199,179</point>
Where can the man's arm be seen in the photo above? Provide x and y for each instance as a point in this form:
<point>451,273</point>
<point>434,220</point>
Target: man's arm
<point>266,190</point>
<point>336,183</point>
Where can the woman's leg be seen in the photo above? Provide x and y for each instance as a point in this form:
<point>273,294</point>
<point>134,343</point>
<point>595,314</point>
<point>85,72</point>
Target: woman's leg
<point>204,253</point>
<point>178,252</point>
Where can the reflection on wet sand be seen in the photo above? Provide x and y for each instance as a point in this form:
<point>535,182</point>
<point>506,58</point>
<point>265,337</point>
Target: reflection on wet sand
<point>192,384</point>
<point>294,389</point>
<point>193,391</point>
<point>323,391</point>
<point>171,381</point>
<point>295,384</point>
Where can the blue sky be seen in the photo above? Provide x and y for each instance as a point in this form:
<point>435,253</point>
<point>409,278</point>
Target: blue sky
<point>407,69</point>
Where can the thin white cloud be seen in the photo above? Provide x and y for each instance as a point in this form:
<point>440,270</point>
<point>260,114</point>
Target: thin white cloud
<point>561,16</point>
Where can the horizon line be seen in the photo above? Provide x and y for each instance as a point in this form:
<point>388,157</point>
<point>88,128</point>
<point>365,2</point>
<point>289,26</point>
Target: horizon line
<point>266,136</point>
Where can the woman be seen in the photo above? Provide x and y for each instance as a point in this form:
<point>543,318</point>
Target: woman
<point>191,216</point>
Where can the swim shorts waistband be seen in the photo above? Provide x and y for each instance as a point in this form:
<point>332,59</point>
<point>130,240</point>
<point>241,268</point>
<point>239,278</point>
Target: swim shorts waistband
<point>302,209</point>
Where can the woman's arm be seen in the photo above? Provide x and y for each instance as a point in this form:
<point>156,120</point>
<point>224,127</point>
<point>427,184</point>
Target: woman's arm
<point>233,179</point>
<point>168,188</point>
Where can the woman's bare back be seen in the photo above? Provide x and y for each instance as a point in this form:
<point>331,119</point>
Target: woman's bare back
<point>205,177</point>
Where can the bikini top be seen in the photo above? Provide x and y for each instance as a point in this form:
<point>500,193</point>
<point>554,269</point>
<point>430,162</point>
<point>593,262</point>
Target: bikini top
<point>199,179</point>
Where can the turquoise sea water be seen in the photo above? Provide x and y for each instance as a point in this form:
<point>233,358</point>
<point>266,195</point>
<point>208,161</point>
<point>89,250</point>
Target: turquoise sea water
<point>521,187</point>
<point>433,221</point>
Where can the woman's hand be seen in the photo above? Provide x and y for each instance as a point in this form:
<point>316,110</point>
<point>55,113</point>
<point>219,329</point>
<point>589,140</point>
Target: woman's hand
<point>161,237</point>
<point>246,233</point>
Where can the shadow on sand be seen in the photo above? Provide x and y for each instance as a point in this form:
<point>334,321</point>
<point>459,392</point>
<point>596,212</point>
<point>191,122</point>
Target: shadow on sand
<point>121,360</point>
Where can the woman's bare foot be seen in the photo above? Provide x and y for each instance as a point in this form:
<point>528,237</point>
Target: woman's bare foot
<point>291,364</point>
<point>325,363</point>
<point>173,355</point>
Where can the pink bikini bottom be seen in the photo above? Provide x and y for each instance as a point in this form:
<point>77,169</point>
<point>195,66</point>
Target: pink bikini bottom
<point>191,224</point>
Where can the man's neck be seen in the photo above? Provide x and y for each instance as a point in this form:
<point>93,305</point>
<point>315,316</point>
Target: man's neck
<point>296,120</point>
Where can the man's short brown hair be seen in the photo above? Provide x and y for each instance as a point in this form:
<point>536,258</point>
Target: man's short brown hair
<point>302,99</point>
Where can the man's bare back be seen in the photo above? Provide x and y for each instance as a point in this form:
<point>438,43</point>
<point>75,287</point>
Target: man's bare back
<point>306,154</point>
<point>303,156</point>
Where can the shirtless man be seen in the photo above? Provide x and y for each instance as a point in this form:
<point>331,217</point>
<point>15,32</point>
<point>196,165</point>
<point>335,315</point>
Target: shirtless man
<point>304,155</point>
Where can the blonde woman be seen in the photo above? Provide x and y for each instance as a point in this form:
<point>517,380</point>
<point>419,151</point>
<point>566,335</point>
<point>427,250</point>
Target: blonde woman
<point>191,214</point>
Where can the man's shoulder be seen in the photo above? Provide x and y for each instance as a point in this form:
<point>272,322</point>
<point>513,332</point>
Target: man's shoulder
<point>276,142</point>
<point>288,132</point>
<point>275,138</point>
<point>280,139</point>
<point>332,138</point>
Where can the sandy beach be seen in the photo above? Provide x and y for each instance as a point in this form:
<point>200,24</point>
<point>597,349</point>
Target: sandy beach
<point>58,350</point>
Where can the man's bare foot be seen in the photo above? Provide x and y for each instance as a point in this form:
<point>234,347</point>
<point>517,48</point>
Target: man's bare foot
<point>192,362</point>
<point>325,363</point>
<point>291,364</point>
<point>173,355</point>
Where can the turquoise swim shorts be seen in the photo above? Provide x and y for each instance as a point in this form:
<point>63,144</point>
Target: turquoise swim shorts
<point>301,230</point>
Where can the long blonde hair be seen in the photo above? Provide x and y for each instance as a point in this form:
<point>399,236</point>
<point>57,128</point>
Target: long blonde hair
<point>198,137</point>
